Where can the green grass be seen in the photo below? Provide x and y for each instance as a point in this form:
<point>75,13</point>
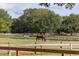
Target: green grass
<point>39,54</point>
<point>13,40</point>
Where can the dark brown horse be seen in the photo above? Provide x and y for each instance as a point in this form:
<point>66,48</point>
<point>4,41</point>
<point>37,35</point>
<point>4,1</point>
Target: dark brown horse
<point>41,36</point>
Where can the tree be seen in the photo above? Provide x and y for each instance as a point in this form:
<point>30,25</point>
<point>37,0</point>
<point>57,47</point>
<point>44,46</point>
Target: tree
<point>67,5</point>
<point>5,21</point>
<point>70,24</point>
<point>38,20</point>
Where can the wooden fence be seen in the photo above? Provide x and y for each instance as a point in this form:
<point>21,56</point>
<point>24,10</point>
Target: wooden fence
<point>62,52</point>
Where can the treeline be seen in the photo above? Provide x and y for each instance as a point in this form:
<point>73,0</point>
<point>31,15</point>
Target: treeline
<point>39,20</point>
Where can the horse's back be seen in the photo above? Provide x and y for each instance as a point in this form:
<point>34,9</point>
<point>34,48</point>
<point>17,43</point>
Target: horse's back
<point>40,37</point>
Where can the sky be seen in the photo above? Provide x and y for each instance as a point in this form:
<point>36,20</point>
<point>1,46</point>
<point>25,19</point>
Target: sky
<point>16,9</point>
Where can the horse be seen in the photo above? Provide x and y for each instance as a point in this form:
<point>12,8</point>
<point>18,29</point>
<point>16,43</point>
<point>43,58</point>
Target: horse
<point>41,36</point>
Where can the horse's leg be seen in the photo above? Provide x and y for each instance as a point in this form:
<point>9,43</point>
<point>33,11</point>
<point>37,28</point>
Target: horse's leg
<point>36,39</point>
<point>44,39</point>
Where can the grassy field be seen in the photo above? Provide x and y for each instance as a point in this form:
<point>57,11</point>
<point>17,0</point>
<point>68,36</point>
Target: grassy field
<point>38,54</point>
<point>14,40</point>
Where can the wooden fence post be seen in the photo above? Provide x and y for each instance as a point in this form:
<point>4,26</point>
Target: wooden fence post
<point>62,54</point>
<point>61,45</point>
<point>17,52</point>
<point>70,48</point>
<point>61,49</point>
<point>35,49</point>
<point>41,50</point>
<point>9,52</point>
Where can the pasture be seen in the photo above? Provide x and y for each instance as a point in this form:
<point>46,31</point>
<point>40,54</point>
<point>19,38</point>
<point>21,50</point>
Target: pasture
<point>24,41</point>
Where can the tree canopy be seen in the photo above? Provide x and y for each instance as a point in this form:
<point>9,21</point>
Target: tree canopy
<point>67,5</point>
<point>5,21</point>
<point>38,20</point>
<point>70,24</point>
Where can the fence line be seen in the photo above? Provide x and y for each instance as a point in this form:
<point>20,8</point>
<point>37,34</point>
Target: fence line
<point>17,49</point>
<point>41,49</point>
<point>32,35</point>
<point>43,44</point>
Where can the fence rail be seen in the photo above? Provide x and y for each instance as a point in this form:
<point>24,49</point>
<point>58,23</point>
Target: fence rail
<point>33,36</point>
<point>62,52</point>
